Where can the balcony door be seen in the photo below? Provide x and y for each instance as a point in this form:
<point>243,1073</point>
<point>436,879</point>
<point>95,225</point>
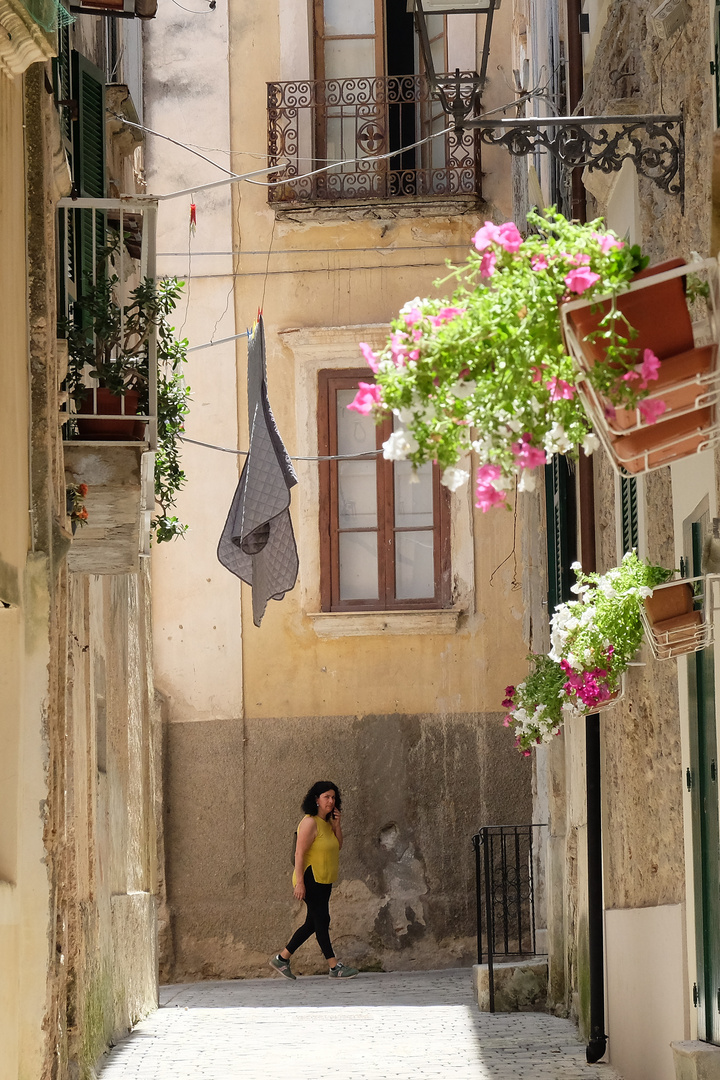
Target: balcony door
<point>371,97</point>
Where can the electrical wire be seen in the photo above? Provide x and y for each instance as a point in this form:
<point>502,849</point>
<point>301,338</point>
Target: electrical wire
<point>293,457</point>
<point>314,251</point>
<point>168,138</point>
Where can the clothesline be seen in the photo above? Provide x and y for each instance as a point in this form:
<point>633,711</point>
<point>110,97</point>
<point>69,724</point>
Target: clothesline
<point>324,457</point>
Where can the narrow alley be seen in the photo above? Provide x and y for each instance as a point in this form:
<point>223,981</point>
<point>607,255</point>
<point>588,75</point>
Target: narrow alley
<point>409,1026</point>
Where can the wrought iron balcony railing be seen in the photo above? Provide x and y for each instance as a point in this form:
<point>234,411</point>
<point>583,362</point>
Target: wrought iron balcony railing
<point>313,123</point>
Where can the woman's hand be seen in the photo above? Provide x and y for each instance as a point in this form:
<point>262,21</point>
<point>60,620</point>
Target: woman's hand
<point>336,825</point>
<point>299,890</point>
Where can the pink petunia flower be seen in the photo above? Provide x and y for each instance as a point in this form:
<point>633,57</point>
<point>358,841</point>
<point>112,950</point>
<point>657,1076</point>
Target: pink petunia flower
<point>527,456</point>
<point>537,371</point>
<point>505,236</point>
<point>412,316</point>
<point>487,494</point>
<point>507,720</point>
<point>578,281</point>
<point>539,262</point>
<point>580,260</point>
<point>560,389</point>
<point>398,348</point>
<point>367,397</point>
<point>649,368</point>
<point>370,358</point>
<point>445,315</point>
<point>487,264</point>
<point>607,243</point>
<point>651,410</point>
<point>509,238</point>
<point>485,236</point>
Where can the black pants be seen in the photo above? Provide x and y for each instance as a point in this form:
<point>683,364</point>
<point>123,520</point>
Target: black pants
<point>317,920</point>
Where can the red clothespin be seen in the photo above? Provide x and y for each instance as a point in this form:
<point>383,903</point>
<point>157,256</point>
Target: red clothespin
<point>193,218</point>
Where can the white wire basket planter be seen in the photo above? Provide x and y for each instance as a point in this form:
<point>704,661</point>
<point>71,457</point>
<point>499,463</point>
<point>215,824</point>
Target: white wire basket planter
<point>689,376</point>
<point>680,616</point>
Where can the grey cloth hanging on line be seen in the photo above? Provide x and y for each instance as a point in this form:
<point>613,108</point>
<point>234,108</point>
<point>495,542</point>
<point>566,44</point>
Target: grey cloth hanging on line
<point>258,543</point>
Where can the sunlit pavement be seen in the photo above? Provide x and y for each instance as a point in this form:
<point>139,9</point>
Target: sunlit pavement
<point>405,1026</point>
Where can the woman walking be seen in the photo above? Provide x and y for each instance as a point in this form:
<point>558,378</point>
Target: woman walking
<point>319,839</point>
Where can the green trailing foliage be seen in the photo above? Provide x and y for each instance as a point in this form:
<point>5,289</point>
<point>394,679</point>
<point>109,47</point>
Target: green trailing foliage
<point>110,343</point>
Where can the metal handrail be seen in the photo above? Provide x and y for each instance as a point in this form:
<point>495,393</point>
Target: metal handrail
<point>357,122</point>
<point>504,883</point>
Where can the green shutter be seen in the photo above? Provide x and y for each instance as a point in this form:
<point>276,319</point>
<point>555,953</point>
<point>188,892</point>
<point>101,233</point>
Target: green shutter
<point>561,540</point>
<point>629,506</point>
<point>89,163</point>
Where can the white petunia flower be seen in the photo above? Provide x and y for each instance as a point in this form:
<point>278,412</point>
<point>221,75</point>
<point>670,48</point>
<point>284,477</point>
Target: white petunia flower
<point>463,389</point>
<point>590,443</point>
<point>454,478</point>
<point>399,445</point>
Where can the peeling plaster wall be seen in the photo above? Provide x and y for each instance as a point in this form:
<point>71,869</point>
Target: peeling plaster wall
<point>414,787</point>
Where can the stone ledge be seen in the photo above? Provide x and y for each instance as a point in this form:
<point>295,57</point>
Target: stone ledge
<point>335,624</point>
<point>120,497</point>
<point>520,986</point>
<point>696,1060</point>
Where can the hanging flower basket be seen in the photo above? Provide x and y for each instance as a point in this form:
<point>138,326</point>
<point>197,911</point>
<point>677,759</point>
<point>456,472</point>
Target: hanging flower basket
<point>677,417</point>
<point>594,640</point>
<point>679,616</point>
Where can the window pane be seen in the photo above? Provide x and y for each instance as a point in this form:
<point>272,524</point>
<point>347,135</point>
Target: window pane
<point>413,501</point>
<point>357,495</point>
<point>414,566</point>
<point>358,566</point>
<point>355,432</point>
<point>348,59</point>
<point>349,16</point>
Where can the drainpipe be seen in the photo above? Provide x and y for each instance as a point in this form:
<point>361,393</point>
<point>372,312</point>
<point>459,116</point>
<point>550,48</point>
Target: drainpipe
<point>597,1044</point>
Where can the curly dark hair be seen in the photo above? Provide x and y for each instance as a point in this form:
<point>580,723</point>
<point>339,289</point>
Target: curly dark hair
<point>309,803</point>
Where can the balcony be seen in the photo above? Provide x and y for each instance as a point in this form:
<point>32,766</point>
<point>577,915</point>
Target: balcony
<point>311,123</point>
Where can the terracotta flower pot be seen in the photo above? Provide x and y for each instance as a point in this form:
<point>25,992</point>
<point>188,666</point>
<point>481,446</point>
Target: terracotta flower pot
<point>96,429</point>
<point>662,443</point>
<point>659,313</point>
<point>683,634</point>
<point>679,384</point>
<point>669,602</point>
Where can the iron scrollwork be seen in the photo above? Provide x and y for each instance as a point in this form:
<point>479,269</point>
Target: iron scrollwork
<point>355,121</point>
<point>655,144</point>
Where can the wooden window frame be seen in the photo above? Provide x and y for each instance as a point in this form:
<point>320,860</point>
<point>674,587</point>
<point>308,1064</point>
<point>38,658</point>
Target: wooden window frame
<point>329,382</point>
<point>319,38</point>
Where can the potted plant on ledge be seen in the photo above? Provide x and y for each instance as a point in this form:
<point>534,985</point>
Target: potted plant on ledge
<point>109,344</point>
<point>594,640</point>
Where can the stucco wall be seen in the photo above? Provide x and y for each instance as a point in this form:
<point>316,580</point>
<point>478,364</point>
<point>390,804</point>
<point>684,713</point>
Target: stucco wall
<point>415,788</point>
<point>77,835</point>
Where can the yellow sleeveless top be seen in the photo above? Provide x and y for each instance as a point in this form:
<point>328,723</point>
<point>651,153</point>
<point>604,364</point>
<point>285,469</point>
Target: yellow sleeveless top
<point>323,855</point>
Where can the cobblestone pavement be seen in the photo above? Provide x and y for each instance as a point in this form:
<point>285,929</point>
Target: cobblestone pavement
<point>405,1026</point>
